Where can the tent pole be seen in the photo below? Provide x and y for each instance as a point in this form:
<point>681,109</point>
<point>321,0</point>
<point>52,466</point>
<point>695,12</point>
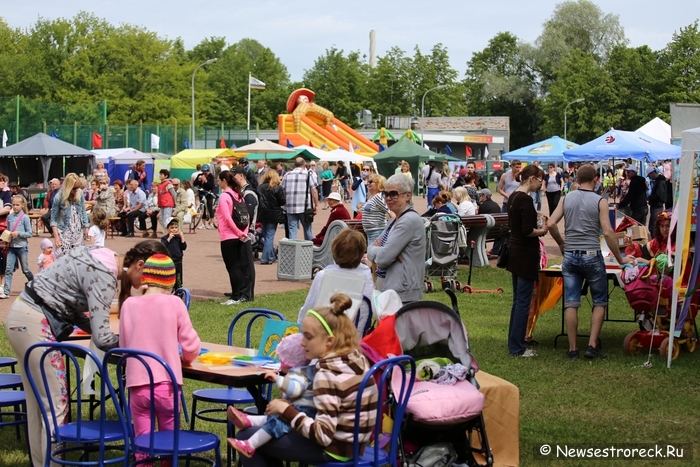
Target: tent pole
<point>17,122</point>
<point>75,132</point>
<point>175,138</point>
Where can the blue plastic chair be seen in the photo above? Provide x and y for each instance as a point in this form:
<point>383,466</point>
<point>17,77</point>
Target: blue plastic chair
<point>17,400</point>
<point>84,436</point>
<point>185,295</point>
<point>160,444</point>
<point>396,398</point>
<point>231,396</point>
<point>8,362</point>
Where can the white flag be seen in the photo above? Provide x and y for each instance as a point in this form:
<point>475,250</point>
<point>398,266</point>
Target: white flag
<point>257,140</point>
<point>155,141</point>
<point>426,146</point>
<point>4,139</point>
<point>486,152</point>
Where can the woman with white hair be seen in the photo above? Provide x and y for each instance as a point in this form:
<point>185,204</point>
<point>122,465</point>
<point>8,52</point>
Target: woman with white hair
<point>465,206</point>
<point>399,252</point>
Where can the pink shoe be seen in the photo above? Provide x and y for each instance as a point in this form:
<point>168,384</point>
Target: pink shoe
<point>239,419</point>
<point>242,446</point>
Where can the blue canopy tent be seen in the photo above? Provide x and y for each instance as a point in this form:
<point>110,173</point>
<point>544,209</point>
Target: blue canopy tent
<point>118,160</point>
<point>618,144</point>
<point>549,150</point>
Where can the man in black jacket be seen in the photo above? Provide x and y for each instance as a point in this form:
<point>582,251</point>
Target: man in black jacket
<point>636,197</point>
<point>657,198</point>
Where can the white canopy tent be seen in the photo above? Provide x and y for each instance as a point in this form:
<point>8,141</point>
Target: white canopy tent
<point>348,157</point>
<point>690,146</point>
<point>657,129</point>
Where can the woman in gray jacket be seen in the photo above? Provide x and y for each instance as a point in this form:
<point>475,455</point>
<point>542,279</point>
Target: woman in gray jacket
<point>399,252</point>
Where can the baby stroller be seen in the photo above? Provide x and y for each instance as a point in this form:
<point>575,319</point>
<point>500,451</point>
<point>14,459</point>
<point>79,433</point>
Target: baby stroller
<point>437,412</point>
<point>442,253</point>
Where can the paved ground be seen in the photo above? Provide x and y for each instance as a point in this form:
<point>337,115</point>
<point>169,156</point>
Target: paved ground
<point>204,271</point>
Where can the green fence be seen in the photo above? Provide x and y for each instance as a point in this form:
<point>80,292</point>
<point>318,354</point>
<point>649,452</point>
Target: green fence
<point>75,124</point>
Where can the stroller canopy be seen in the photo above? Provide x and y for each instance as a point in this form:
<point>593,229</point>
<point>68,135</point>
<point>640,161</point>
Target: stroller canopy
<point>428,329</point>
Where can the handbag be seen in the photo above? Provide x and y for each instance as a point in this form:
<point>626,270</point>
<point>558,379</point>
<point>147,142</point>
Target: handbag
<point>6,235</point>
<point>308,211</point>
<point>502,261</point>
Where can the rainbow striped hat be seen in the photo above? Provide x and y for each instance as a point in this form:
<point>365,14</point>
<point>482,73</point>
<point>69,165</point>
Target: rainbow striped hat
<point>159,271</point>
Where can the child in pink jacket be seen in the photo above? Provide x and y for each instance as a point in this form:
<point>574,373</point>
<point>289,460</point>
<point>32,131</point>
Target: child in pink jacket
<point>156,322</point>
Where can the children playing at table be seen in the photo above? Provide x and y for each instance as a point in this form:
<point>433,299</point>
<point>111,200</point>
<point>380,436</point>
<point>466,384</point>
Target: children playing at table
<point>98,229</point>
<point>174,241</point>
<point>45,259</point>
<point>296,385</point>
<point>157,322</point>
<point>20,230</point>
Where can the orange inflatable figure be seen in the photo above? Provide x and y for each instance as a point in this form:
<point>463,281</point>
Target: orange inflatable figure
<point>300,103</point>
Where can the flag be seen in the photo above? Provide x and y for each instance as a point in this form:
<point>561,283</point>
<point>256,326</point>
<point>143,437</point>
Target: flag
<point>257,140</point>
<point>222,143</point>
<point>382,147</point>
<point>96,141</point>
<point>54,135</point>
<point>448,150</point>
<point>486,152</point>
<point>426,146</point>
<point>187,143</point>
<point>233,146</point>
<point>4,139</point>
<point>311,144</point>
<point>324,146</point>
<point>155,141</point>
<point>350,148</point>
<point>255,83</point>
<point>289,144</point>
<point>357,148</point>
<point>469,151</point>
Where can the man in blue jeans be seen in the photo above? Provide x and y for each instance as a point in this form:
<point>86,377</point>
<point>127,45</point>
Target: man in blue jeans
<point>585,214</point>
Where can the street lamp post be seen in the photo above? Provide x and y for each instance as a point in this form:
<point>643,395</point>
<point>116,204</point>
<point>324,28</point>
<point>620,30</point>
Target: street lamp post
<point>422,109</point>
<point>211,60</point>
<point>580,99</point>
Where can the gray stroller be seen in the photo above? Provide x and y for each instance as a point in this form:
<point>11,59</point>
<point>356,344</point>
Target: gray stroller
<point>442,253</point>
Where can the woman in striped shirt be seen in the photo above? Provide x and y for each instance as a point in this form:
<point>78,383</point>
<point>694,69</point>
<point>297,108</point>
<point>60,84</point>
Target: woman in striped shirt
<point>375,211</point>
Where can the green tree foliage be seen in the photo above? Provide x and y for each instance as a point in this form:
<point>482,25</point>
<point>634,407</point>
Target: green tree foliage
<point>226,96</point>
<point>680,61</point>
<point>498,82</point>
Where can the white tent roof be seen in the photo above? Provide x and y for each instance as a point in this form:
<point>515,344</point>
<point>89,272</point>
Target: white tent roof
<point>122,155</point>
<point>320,153</point>
<point>657,129</point>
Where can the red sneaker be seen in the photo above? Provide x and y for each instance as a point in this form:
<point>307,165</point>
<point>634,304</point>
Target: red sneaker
<point>242,446</point>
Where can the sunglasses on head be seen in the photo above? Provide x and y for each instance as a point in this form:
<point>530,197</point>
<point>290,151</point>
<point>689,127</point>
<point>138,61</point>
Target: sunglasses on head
<point>392,194</point>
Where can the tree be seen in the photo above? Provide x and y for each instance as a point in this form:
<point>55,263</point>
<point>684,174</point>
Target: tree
<point>574,25</point>
<point>581,76</point>
<point>225,99</point>
<point>499,83</point>
<point>680,61</point>
<point>340,83</point>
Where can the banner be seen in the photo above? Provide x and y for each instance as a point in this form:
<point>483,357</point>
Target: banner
<point>155,142</point>
<point>4,139</point>
<point>96,141</point>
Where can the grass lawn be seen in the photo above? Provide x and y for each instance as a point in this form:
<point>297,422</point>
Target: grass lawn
<point>593,403</point>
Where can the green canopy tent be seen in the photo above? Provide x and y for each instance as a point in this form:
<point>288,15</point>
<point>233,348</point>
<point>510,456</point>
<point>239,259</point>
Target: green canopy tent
<point>407,150</point>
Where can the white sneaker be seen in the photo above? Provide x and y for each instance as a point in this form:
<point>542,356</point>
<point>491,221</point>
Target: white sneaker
<point>201,226</point>
<point>230,301</point>
<point>2,294</point>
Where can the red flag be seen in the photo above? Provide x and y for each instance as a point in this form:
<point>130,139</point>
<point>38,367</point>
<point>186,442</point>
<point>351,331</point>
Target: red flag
<point>96,141</point>
<point>311,144</point>
<point>222,143</point>
<point>469,151</point>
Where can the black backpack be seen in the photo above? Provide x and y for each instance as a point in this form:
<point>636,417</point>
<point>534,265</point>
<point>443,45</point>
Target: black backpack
<point>240,214</point>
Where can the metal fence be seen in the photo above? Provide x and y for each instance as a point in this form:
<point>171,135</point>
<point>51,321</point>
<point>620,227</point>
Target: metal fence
<point>21,118</point>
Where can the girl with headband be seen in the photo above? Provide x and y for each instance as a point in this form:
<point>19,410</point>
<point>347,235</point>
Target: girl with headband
<point>329,336</point>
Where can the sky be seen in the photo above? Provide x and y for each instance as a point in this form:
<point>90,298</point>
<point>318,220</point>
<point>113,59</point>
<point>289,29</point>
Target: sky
<point>300,31</point>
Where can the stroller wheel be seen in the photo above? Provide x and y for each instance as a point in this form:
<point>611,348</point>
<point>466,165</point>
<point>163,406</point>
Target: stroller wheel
<point>458,286</point>
<point>631,344</point>
<point>690,344</point>
<point>467,289</point>
<point>663,350</point>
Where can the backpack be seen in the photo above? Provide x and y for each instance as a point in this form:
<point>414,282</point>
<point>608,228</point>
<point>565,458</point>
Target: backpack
<point>240,214</point>
<point>250,191</point>
<point>434,455</point>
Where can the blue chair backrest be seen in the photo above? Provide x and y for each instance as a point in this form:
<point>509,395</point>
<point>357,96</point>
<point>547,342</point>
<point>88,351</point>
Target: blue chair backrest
<point>257,313</point>
<point>57,354</point>
<point>147,359</point>
<point>381,373</point>
<point>184,295</point>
